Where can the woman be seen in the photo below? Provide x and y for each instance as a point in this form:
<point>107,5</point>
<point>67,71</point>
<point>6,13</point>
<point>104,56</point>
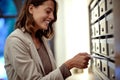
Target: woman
<point>27,54</point>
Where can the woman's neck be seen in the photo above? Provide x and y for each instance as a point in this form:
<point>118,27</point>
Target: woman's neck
<point>36,41</point>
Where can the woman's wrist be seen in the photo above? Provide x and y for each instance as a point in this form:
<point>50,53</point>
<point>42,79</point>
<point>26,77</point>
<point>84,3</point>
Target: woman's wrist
<point>69,64</point>
<point>65,71</point>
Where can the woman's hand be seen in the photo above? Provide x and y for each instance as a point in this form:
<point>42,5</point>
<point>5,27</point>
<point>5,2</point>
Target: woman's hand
<point>79,61</point>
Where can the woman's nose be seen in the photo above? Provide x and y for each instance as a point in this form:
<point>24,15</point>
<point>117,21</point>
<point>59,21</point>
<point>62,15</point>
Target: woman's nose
<point>51,16</point>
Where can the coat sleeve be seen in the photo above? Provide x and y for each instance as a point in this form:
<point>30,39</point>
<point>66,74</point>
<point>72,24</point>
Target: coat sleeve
<point>24,66</point>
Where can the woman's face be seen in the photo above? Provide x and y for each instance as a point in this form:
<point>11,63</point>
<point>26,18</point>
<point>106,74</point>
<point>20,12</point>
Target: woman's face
<point>42,14</point>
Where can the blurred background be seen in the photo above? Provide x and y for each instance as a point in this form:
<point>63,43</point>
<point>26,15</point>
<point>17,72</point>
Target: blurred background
<point>71,29</point>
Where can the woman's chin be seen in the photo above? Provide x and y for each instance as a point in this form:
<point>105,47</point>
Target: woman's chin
<point>45,28</point>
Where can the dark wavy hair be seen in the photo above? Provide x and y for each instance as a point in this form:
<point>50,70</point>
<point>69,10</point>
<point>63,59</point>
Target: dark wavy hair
<point>25,19</point>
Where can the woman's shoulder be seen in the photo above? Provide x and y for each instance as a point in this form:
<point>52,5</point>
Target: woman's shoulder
<point>18,34</point>
<point>17,39</point>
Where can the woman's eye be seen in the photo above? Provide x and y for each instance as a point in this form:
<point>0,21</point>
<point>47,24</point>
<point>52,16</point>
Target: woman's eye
<point>48,12</point>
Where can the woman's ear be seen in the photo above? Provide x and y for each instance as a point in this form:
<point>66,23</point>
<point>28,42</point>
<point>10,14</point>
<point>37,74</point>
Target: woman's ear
<point>31,7</point>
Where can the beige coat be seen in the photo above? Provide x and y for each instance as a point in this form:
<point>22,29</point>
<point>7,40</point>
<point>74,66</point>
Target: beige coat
<point>22,61</point>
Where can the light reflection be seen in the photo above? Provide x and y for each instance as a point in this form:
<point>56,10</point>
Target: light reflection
<point>82,76</point>
<point>3,75</point>
<point>2,21</point>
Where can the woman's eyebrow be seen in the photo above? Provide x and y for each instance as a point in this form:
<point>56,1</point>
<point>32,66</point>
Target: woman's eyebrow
<point>49,8</point>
